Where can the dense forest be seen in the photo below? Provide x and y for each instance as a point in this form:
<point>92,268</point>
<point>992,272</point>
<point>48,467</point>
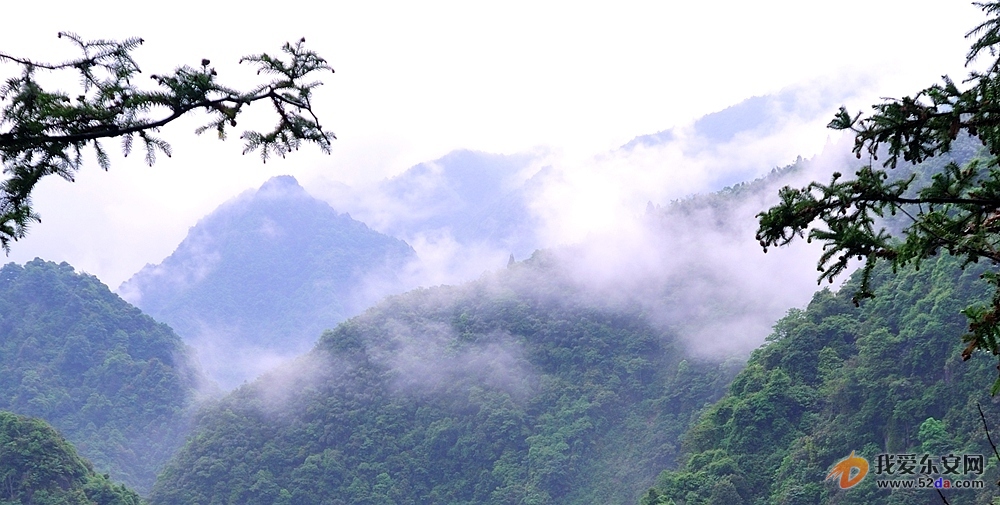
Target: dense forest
<point>887,377</point>
<point>511,389</point>
<point>39,467</point>
<point>112,380</point>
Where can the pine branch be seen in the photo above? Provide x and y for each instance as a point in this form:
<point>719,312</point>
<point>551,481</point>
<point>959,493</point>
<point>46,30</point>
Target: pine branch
<point>941,495</point>
<point>987,430</point>
<point>47,131</point>
<point>958,212</point>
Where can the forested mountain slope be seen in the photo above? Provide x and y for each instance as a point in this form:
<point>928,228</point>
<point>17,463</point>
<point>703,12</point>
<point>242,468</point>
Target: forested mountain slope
<point>516,388</point>
<point>887,377</point>
<point>263,275</point>
<point>113,381</point>
<point>38,466</point>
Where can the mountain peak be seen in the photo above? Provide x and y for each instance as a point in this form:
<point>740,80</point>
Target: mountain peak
<point>264,274</point>
<point>281,186</point>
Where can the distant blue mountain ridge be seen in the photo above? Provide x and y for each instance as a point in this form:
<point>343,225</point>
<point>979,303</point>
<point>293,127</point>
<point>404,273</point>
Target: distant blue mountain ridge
<point>484,199</point>
<point>263,275</point>
<point>758,114</point>
<point>474,196</point>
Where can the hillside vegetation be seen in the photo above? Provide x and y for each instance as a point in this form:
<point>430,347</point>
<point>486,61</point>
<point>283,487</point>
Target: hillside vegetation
<point>516,388</point>
<point>887,377</point>
<point>566,378</point>
<point>39,467</point>
<point>116,383</point>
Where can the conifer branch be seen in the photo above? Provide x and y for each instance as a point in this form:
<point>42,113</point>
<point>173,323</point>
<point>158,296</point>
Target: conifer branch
<point>941,495</point>
<point>986,428</point>
<point>958,212</point>
<point>44,132</point>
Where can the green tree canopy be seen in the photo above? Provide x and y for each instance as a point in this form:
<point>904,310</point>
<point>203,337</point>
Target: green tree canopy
<point>957,210</point>
<point>37,466</point>
<point>44,132</point>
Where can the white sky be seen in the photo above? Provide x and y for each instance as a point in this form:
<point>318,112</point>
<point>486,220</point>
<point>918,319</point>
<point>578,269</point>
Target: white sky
<point>415,80</point>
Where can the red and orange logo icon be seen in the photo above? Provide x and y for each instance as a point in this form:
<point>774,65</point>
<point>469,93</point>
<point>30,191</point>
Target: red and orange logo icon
<point>851,470</point>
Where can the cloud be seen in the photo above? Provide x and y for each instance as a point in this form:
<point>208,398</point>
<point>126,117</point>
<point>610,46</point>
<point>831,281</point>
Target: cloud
<point>287,386</point>
<point>428,357</point>
<point>200,257</point>
<point>591,195</point>
<point>582,80</point>
<point>419,358</point>
<point>695,266</point>
<point>229,360</point>
<point>694,263</point>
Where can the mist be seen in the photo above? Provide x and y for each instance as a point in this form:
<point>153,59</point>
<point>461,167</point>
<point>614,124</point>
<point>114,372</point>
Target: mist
<point>640,224</point>
<point>626,225</point>
<point>694,265</point>
<point>430,358</point>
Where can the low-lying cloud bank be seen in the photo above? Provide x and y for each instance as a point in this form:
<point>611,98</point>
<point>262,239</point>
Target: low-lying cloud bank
<point>695,267</point>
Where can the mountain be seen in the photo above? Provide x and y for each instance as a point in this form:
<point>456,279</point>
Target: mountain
<point>519,387</point>
<point>564,378</point>
<point>257,280</point>
<point>495,205</point>
<point>735,137</point>
<point>475,198</point>
<point>447,192</point>
<point>40,467</point>
<point>757,115</point>
<point>885,378</point>
<point>115,382</point>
